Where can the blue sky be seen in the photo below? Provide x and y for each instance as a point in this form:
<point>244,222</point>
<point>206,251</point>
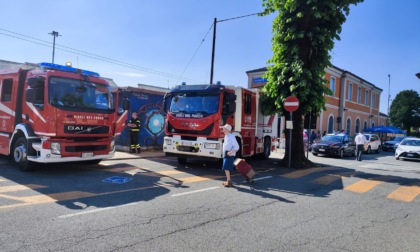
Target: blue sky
<point>163,43</point>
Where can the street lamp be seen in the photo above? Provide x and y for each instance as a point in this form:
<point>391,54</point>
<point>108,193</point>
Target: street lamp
<point>418,75</point>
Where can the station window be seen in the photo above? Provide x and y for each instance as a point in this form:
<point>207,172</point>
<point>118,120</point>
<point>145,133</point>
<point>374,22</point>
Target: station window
<point>332,85</point>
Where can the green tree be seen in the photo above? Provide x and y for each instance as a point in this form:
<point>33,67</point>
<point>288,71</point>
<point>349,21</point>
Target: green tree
<point>304,33</point>
<point>405,110</point>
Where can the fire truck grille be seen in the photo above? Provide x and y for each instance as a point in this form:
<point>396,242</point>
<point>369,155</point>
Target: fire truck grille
<point>205,132</point>
<point>85,129</point>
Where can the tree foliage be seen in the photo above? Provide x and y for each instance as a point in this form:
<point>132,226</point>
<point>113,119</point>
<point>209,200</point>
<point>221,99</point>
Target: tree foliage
<point>405,110</point>
<point>304,33</point>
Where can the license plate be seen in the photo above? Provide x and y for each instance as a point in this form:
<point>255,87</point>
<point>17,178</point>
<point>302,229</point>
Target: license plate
<point>321,150</point>
<point>87,155</point>
<point>410,155</point>
<point>186,143</point>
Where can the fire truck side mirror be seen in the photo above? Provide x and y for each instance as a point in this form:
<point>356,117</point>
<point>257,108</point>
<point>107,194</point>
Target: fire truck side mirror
<point>231,97</point>
<point>31,95</point>
<point>35,82</point>
<point>232,107</point>
<point>229,108</point>
<point>126,104</point>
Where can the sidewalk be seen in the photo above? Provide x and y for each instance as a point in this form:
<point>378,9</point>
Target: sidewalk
<point>120,155</point>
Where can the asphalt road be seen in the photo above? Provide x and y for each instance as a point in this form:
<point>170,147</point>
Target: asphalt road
<point>148,202</point>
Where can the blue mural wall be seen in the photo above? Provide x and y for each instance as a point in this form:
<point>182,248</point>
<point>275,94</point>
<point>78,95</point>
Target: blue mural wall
<point>148,104</point>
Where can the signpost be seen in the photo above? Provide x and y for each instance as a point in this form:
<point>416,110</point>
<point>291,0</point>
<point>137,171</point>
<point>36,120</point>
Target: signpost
<point>291,104</point>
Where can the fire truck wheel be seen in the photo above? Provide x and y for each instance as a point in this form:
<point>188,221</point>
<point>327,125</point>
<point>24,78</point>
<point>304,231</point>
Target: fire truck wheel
<point>182,160</point>
<point>20,155</point>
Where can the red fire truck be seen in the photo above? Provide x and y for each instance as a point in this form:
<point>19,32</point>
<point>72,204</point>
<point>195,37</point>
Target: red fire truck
<point>196,114</point>
<point>51,113</point>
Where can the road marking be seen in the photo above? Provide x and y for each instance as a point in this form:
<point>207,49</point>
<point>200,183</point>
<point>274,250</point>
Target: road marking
<point>169,172</point>
<point>328,179</point>
<point>261,178</point>
<point>54,197</point>
<point>362,186</point>
<point>15,188</point>
<point>298,174</point>
<point>405,193</point>
<point>95,210</point>
<point>199,178</point>
<point>196,191</point>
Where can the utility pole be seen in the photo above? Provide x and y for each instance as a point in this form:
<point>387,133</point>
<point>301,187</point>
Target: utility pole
<point>54,34</point>
<point>389,94</point>
<point>212,51</point>
<point>214,41</point>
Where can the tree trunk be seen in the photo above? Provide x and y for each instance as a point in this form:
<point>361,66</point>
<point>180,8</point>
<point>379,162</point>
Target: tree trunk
<point>297,151</point>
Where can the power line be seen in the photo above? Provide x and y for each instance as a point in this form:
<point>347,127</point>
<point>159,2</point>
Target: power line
<point>91,55</point>
<point>238,17</point>
<point>199,46</point>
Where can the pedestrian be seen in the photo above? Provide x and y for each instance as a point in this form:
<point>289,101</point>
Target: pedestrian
<point>313,137</point>
<point>360,141</point>
<point>230,147</point>
<point>134,124</point>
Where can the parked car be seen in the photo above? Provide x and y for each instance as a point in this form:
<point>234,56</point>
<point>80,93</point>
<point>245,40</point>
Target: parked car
<point>392,144</point>
<point>374,143</point>
<point>335,145</point>
<point>409,148</point>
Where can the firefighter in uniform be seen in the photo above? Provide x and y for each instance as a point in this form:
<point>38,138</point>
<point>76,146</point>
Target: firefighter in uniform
<point>134,124</point>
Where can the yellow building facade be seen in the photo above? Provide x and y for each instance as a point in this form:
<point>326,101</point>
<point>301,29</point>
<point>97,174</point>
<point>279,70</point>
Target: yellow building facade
<point>353,106</point>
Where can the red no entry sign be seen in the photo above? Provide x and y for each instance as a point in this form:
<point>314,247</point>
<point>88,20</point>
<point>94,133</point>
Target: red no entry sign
<point>291,103</point>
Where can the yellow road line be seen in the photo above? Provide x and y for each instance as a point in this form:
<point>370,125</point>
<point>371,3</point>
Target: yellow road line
<point>15,188</point>
<point>298,174</point>
<point>169,172</point>
<point>405,193</point>
<point>328,179</point>
<point>198,178</point>
<point>362,186</point>
<point>47,198</point>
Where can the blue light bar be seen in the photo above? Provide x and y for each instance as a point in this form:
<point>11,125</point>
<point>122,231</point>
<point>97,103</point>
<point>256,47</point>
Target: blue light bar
<point>51,66</point>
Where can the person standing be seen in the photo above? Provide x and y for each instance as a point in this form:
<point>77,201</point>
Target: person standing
<point>360,141</point>
<point>134,124</point>
<point>230,147</point>
<point>313,137</point>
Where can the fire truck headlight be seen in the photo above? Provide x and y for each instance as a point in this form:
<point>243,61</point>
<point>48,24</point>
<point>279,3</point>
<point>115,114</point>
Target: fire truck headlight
<point>168,142</point>
<point>112,145</point>
<point>55,148</point>
<point>214,146</point>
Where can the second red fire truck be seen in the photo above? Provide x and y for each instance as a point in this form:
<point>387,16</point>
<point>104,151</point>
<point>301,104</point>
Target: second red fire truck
<point>196,114</point>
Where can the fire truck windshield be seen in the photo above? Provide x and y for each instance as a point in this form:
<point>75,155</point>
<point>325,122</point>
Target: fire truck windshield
<point>194,104</point>
<point>75,94</point>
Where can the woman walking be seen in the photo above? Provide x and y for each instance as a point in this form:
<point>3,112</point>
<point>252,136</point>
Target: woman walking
<point>230,147</point>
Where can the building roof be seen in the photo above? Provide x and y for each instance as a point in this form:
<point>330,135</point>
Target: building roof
<point>263,69</point>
